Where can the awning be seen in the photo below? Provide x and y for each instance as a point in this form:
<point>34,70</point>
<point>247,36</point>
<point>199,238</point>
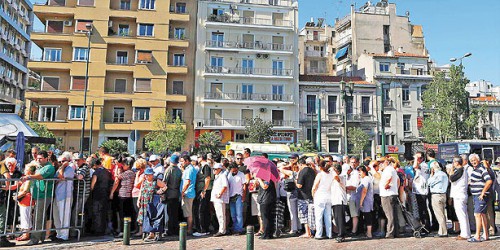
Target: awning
<point>12,124</point>
<point>342,52</point>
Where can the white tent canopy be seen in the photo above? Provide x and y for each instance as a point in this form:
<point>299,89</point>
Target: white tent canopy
<point>12,124</point>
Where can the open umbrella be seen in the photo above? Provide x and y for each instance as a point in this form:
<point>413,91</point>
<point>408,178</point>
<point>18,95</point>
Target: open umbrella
<point>20,150</point>
<point>262,168</point>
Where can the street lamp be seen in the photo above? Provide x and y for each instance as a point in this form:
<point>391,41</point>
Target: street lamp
<point>321,96</point>
<point>89,35</point>
<point>347,92</point>
<point>453,59</point>
<point>456,104</point>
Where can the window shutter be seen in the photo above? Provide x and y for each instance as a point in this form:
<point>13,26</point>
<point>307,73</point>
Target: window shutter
<point>120,85</point>
<point>57,2</point>
<point>82,25</point>
<point>55,26</point>
<point>50,83</point>
<point>78,83</point>
<point>86,2</point>
<point>144,56</point>
<point>143,85</point>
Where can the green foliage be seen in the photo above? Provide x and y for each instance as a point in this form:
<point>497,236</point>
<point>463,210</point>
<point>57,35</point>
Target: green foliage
<point>115,146</point>
<point>258,131</point>
<point>209,143</point>
<point>43,131</point>
<point>359,140</point>
<point>448,114</point>
<point>303,146</point>
<point>166,134</point>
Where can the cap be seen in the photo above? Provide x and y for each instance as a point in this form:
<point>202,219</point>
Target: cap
<point>149,171</point>
<point>209,156</point>
<point>76,156</point>
<point>336,158</point>
<point>153,158</point>
<point>217,166</point>
<point>309,160</point>
<point>294,156</point>
<point>174,159</point>
<point>194,158</point>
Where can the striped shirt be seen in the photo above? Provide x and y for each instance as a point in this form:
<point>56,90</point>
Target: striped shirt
<point>79,185</point>
<point>478,180</point>
<point>126,184</point>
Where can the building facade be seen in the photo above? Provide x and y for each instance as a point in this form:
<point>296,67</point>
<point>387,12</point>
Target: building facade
<point>140,65</point>
<point>316,49</point>
<point>246,67</point>
<point>16,25</point>
<point>489,126</point>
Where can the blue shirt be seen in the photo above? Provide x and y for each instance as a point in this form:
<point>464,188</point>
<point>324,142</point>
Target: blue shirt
<point>189,174</point>
<point>438,183</point>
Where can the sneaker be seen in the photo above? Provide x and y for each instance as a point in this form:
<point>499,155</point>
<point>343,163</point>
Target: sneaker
<point>196,234</point>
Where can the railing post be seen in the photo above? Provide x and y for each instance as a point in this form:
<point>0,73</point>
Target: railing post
<point>182,235</point>
<point>126,231</point>
<point>250,243</point>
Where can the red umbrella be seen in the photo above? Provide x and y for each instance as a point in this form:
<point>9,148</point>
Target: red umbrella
<point>262,168</point>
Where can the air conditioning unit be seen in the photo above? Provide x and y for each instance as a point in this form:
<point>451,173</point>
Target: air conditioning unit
<point>110,24</point>
<point>263,110</point>
<point>68,22</point>
<point>259,55</point>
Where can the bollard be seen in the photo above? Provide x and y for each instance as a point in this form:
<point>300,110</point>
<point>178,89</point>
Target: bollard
<point>126,231</point>
<point>182,235</point>
<point>250,244</point>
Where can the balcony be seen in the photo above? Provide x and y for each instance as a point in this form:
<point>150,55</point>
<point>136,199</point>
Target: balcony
<point>360,118</point>
<point>248,72</point>
<point>245,97</point>
<point>316,70</point>
<point>241,123</point>
<point>120,67</point>
<point>316,53</point>
<point>284,3</point>
<point>177,69</point>
<point>406,104</point>
<point>317,38</point>
<point>341,42</point>
<point>388,104</point>
<point>39,64</point>
<point>218,45</point>
<point>228,19</point>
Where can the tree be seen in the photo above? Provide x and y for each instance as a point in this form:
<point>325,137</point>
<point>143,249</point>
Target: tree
<point>359,139</point>
<point>303,146</point>
<point>115,146</point>
<point>448,115</point>
<point>166,134</point>
<point>209,142</point>
<point>258,131</point>
<point>42,131</point>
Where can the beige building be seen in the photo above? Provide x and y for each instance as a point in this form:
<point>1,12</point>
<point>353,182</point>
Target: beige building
<point>246,67</point>
<point>316,49</point>
<point>489,128</point>
<point>140,65</point>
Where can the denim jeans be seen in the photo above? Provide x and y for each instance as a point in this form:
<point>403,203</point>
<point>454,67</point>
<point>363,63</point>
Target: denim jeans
<point>323,213</point>
<point>236,207</point>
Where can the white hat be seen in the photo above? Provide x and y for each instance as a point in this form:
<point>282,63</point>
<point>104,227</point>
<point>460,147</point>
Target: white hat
<point>209,156</point>
<point>194,158</point>
<point>309,160</point>
<point>336,158</point>
<point>153,158</point>
<point>217,166</point>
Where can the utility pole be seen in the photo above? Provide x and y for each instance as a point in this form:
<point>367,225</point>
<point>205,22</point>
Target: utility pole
<point>91,126</point>
<point>318,133</point>
<point>382,118</point>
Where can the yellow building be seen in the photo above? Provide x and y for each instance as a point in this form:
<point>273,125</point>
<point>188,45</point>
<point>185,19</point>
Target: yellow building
<point>140,65</point>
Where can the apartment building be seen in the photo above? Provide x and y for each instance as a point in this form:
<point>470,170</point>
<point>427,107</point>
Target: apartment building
<point>246,67</point>
<point>489,126</point>
<point>140,64</point>
<point>316,48</point>
<point>16,24</point>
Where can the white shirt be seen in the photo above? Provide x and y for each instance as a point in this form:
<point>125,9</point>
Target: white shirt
<point>388,173</point>
<point>345,167</point>
<point>338,193</point>
<point>419,185</point>
<point>236,183</point>
<point>219,183</point>
<point>354,181</point>
<point>324,192</point>
<point>458,188</point>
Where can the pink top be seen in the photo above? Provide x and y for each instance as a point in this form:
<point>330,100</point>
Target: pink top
<point>137,190</point>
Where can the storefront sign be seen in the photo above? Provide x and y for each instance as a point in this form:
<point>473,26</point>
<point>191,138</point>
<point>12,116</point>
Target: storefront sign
<point>283,137</point>
<point>391,149</point>
<point>7,108</point>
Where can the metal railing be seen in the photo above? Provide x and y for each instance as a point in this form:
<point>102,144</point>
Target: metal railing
<point>264,2</point>
<point>248,71</point>
<point>242,123</point>
<point>249,45</point>
<point>226,18</point>
<point>248,96</point>
<point>314,70</point>
<point>319,37</point>
<point>359,117</point>
<point>316,53</point>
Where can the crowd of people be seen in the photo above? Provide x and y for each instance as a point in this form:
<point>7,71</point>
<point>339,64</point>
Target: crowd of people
<point>321,197</point>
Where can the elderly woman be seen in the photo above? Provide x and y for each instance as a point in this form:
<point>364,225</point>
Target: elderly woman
<point>140,166</point>
<point>438,183</point>
<point>149,187</point>
<point>11,164</point>
<point>124,183</point>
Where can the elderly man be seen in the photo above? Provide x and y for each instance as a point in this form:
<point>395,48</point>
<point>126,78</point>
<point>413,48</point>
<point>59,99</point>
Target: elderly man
<point>5,175</point>
<point>158,169</point>
<point>458,192</point>
<point>345,166</point>
<point>352,183</point>
<point>34,153</point>
<point>220,197</point>
<point>388,186</point>
<point>419,187</point>
<point>188,192</point>
<point>480,183</point>
<point>438,184</point>
<point>173,177</point>
<point>63,196</point>
<point>470,201</point>
<point>81,189</point>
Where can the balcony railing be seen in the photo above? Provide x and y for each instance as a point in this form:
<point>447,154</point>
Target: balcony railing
<point>314,70</point>
<point>316,53</point>
<point>226,18</point>
<point>359,117</point>
<point>252,45</point>
<point>343,41</point>
<point>247,96</point>
<point>388,104</point>
<point>241,123</point>
<point>406,103</point>
<point>117,120</point>
<point>319,37</point>
<point>248,71</point>
<point>264,2</point>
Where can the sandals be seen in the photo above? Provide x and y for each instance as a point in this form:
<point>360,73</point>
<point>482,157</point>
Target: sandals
<point>259,233</point>
<point>474,240</point>
<point>23,237</point>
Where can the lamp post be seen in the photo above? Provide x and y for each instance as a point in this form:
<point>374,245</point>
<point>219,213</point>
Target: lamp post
<point>321,96</point>
<point>456,104</point>
<point>382,120</point>
<point>346,92</point>
<point>82,136</point>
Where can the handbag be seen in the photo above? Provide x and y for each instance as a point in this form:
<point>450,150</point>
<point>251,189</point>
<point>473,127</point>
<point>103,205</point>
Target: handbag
<point>289,184</point>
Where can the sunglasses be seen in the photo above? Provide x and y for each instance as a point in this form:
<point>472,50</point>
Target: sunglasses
<point>238,158</point>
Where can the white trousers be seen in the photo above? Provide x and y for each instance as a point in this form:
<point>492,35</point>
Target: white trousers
<point>25,215</point>
<point>62,217</point>
<point>463,218</point>
<point>220,212</point>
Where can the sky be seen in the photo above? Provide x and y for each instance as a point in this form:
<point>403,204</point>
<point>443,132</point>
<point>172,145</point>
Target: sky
<point>451,29</point>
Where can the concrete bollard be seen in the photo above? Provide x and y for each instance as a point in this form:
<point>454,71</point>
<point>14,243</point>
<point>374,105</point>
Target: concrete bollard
<point>126,231</point>
<point>250,243</point>
<point>182,235</point>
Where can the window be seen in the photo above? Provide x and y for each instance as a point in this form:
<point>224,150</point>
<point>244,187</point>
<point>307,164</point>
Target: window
<point>277,92</point>
<point>387,94</point>
<point>406,123</point>
<point>419,93</point>
<point>47,113</point>
<point>176,113</point>
<point>247,66</point>
<point>278,117</point>
<point>179,33</point>
<point>118,115</point>
<point>332,104</point>
<point>278,68</point>
<point>80,54</point>
<point>52,55</point>
<point>180,8</point>
<point>147,4</point>
<point>217,63</point>
<point>123,30</point>
<point>217,39</point>
<point>490,116</point>
<point>406,96</point>
<point>365,105</point>
<point>120,86</point>
<point>125,5</point>
<point>81,25</point>
<point>311,135</point>
<point>50,83</point>
<point>387,120</point>
<point>333,146</point>
<point>349,106</point>
<point>386,29</point>
<point>142,85</point>
<point>401,66</point>
<point>86,2</point>
<point>141,114</point>
<point>144,56</point>
<point>121,57</point>
<point>178,87</point>
<point>246,115</point>
<point>179,60</point>
<point>146,29</point>
<point>218,12</point>
<point>55,26</point>
<point>247,91</point>
<point>76,112</point>
<point>384,67</point>
<point>311,104</point>
<point>78,83</point>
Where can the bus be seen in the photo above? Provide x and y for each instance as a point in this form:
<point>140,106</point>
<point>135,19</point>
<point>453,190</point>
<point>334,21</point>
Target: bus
<point>488,150</point>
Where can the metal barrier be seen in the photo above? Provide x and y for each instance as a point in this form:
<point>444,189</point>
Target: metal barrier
<point>36,213</point>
